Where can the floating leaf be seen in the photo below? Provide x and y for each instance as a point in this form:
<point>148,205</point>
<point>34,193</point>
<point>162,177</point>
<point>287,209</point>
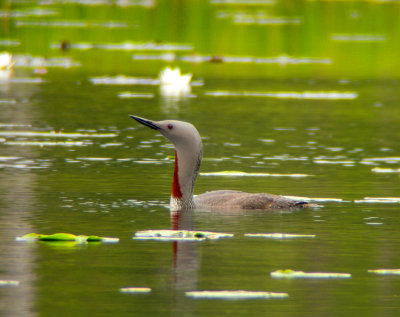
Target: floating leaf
<point>301,274</point>
<point>385,200</point>
<point>133,290</point>
<point>55,134</point>
<point>385,170</point>
<point>279,235</point>
<point>31,236</point>
<point>179,235</point>
<point>385,271</point>
<point>243,174</point>
<point>313,95</point>
<point>93,239</point>
<point>9,282</point>
<point>57,237</point>
<point>317,199</point>
<point>240,294</point>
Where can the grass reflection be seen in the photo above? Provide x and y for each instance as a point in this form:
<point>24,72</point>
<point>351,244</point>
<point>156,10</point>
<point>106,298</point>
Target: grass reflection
<point>279,39</point>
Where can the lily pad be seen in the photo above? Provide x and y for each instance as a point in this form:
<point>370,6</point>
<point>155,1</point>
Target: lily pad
<point>65,237</point>
<point>234,294</point>
<point>135,290</point>
<point>57,237</point>
<point>279,235</point>
<point>385,271</point>
<point>32,236</point>
<point>301,274</point>
<point>9,283</point>
<point>179,235</point>
<point>384,200</point>
<point>244,174</point>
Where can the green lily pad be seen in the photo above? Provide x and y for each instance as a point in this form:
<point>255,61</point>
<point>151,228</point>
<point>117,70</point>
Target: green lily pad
<point>31,236</point>
<point>94,239</point>
<point>57,237</point>
<point>65,237</point>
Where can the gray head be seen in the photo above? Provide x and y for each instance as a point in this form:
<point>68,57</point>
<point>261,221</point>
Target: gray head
<point>188,148</point>
<point>183,135</point>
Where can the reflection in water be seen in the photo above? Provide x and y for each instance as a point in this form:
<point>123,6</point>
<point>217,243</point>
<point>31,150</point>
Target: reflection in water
<point>175,92</point>
<point>186,259</point>
<point>349,237</point>
<point>5,75</point>
<point>17,200</point>
<point>17,260</point>
<point>173,97</point>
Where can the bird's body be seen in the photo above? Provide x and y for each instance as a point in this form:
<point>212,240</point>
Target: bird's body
<point>188,155</point>
<point>232,199</point>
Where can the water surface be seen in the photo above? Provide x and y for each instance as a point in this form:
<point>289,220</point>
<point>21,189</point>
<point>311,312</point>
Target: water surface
<point>289,95</point>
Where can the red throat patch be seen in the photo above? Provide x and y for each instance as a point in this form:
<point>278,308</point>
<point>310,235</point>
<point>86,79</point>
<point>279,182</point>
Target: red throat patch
<point>176,188</point>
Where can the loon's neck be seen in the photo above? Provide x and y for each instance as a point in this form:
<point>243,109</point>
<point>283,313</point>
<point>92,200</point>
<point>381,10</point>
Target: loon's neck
<point>186,168</point>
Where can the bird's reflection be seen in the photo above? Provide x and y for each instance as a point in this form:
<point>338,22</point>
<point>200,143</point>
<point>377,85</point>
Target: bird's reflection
<point>185,253</point>
<point>186,261</point>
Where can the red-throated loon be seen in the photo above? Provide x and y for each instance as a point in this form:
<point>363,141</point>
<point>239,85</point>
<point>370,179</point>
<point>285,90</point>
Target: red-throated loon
<point>188,154</point>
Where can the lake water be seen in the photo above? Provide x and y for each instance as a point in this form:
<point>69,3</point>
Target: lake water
<point>300,97</point>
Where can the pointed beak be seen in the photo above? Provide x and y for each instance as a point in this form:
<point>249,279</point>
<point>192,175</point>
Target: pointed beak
<point>146,122</point>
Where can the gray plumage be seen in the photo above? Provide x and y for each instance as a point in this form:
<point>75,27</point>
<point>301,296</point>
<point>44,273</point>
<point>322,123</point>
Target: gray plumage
<point>232,199</point>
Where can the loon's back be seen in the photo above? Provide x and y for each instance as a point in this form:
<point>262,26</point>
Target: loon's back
<point>232,199</point>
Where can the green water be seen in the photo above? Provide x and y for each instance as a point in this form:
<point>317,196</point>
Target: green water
<point>281,109</point>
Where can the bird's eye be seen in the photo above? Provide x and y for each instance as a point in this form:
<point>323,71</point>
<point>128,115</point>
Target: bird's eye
<point>170,126</point>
